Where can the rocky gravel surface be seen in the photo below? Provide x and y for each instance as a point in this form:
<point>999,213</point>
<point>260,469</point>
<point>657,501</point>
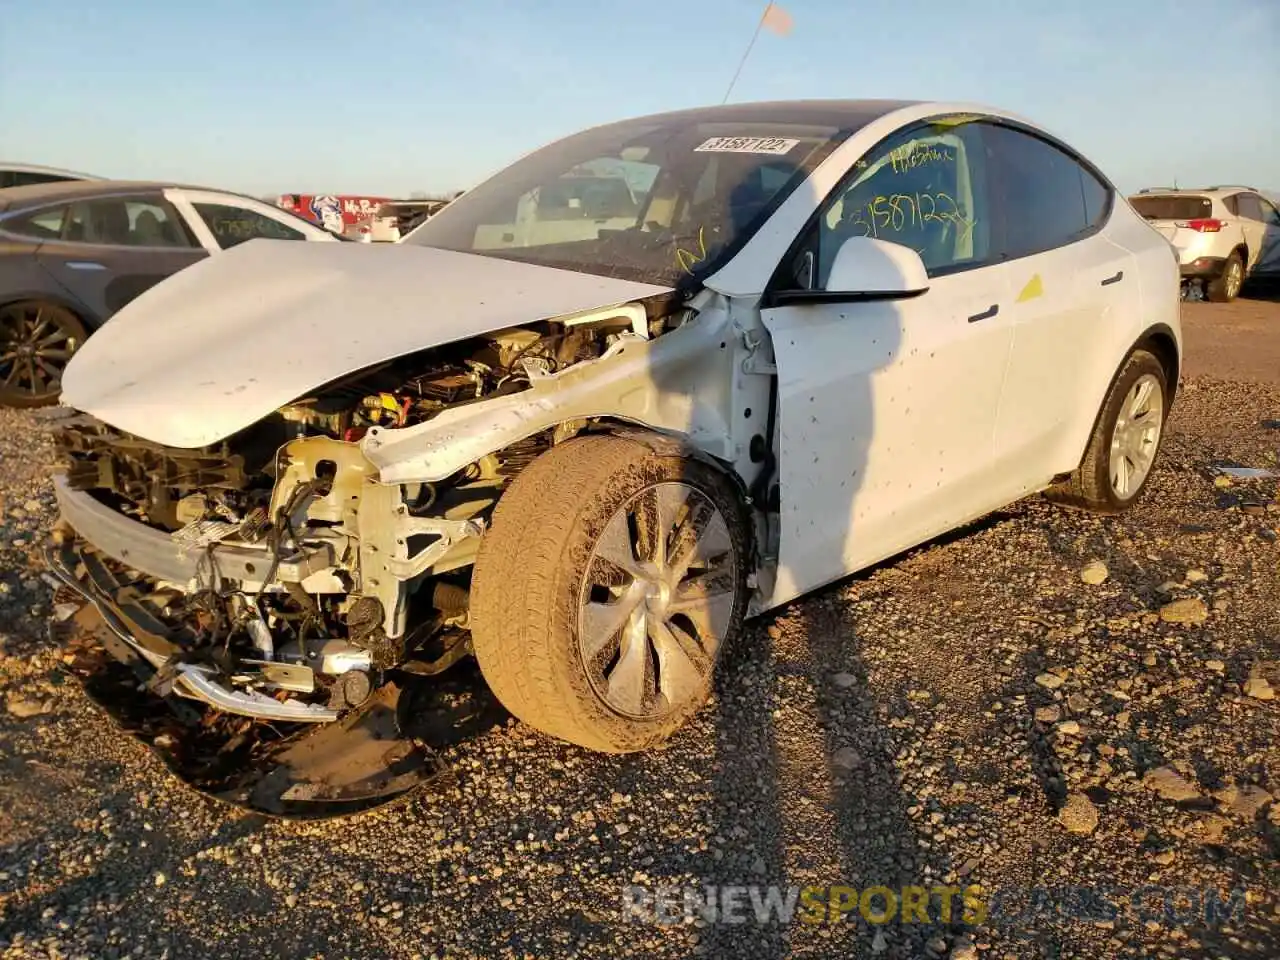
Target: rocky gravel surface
<point>1045,699</point>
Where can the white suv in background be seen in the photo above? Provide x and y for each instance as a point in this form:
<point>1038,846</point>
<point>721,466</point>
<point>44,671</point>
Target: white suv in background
<point>1223,235</point>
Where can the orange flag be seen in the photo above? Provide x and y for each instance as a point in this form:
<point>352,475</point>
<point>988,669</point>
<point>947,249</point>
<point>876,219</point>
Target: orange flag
<point>776,20</point>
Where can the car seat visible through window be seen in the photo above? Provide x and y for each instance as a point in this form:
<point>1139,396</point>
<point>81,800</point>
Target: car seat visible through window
<point>148,232</point>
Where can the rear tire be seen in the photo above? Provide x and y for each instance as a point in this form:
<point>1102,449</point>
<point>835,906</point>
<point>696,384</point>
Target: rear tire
<point>1226,286</point>
<point>37,339</point>
<point>573,643</point>
<point>1125,443</point>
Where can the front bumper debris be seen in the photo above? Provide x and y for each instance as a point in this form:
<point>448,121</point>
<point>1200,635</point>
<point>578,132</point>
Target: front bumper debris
<point>130,624</point>
<point>291,767</point>
<point>171,560</point>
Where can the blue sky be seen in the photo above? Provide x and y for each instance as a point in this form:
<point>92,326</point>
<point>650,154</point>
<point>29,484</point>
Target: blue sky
<point>392,96</point>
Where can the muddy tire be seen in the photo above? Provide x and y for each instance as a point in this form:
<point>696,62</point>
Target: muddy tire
<point>1125,443</point>
<point>37,339</point>
<point>610,581</point>
<point>1225,287</point>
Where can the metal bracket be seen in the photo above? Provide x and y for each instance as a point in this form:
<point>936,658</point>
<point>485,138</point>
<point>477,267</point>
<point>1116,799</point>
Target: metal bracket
<point>752,363</point>
<point>386,527</point>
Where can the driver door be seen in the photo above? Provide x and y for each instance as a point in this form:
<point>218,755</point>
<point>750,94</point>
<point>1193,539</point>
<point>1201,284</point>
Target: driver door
<point>886,408</point>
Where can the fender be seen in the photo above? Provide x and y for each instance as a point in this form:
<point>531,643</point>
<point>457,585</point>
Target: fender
<point>671,384</point>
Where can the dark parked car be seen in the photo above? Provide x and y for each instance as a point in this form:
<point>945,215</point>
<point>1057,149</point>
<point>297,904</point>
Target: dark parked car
<point>26,174</point>
<point>72,253</point>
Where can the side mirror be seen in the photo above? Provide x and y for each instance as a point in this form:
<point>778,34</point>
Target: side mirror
<point>866,269</point>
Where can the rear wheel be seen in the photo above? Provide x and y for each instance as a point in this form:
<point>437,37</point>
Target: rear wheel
<point>608,584</point>
<point>1227,286</point>
<point>1125,441</point>
<point>37,339</point>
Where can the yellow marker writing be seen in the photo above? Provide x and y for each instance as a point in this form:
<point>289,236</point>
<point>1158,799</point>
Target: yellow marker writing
<point>688,260</point>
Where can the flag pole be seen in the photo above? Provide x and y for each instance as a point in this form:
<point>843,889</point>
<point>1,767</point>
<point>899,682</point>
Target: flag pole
<point>746,53</point>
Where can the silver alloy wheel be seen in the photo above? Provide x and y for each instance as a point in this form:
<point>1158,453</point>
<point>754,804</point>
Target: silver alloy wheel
<point>657,601</point>
<point>1136,435</point>
<point>1235,277</point>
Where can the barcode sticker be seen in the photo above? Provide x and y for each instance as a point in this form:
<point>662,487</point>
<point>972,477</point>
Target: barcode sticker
<point>771,145</point>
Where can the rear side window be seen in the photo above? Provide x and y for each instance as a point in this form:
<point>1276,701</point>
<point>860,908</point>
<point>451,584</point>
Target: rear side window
<point>22,179</point>
<point>1250,206</point>
<point>1048,198</point>
<point>124,222</point>
<point>1097,198</point>
<point>1173,208</point>
<point>43,224</point>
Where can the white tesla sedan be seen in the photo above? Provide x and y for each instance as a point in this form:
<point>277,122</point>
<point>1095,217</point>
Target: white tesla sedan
<point>646,381</point>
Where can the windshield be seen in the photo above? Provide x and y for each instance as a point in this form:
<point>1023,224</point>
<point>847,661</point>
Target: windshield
<point>664,201</point>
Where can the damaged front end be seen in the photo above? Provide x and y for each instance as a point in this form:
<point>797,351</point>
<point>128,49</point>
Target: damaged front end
<point>313,567</point>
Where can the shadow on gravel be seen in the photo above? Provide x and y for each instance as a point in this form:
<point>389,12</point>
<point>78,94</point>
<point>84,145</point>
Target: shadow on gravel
<point>827,808</point>
<point>114,881</point>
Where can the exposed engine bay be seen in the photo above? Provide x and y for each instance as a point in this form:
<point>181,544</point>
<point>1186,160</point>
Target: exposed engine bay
<point>296,483</point>
<point>301,585</point>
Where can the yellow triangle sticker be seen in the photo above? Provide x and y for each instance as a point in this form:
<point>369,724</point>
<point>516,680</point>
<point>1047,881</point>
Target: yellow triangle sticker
<point>1033,289</point>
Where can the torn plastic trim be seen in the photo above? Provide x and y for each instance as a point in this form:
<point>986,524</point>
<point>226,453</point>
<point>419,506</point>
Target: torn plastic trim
<point>159,555</point>
<point>190,680</point>
<point>656,383</point>
<point>61,563</point>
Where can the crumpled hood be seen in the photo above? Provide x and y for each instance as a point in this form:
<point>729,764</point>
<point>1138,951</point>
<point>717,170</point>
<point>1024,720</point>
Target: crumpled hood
<point>225,342</point>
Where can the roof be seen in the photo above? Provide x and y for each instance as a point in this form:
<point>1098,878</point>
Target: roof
<point>1223,189</point>
<point>63,190</point>
<point>38,168</point>
<point>830,113</point>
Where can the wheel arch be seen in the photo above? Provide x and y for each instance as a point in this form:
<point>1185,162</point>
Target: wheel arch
<point>1159,340</point>
<point>678,445</point>
<point>66,302</point>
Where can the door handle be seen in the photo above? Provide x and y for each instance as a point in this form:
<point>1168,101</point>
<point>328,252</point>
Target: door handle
<point>85,265</point>
<point>1116,279</point>
<point>991,311</point>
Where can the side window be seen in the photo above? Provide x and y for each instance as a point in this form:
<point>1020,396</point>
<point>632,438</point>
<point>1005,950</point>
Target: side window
<point>1270,215</point>
<point>125,223</point>
<point>1097,199</point>
<point>22,179</point>
<point>233,225</point>
<point>1044,193</point>
<point>1250,206</point>
<point>1232,203</point>
<point>925,188</point>
<point>45,224</point>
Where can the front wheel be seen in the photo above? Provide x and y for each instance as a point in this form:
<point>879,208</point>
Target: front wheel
<point>36,341</point>
<point>608,584</point>
<point>1125,441</point>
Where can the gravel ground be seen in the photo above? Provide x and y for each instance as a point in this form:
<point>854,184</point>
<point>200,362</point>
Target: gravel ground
<point>1045,698</point>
